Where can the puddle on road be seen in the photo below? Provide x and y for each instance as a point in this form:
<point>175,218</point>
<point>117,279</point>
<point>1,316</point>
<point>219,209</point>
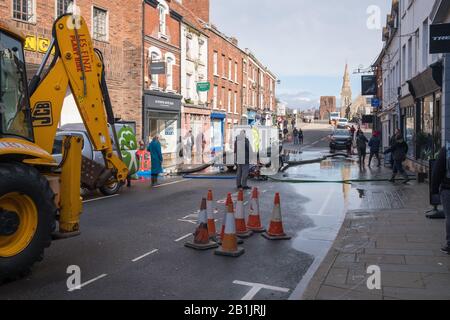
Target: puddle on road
<point>326,205</point>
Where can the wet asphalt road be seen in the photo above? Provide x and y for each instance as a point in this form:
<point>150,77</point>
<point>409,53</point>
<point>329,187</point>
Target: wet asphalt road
<point>131,245</point>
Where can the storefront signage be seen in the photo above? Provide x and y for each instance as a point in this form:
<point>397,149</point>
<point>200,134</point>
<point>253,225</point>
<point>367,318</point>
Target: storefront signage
<point>369,85</point>
<point>157,68</point>
<point>37,44</point>
<point>440,38</point>
<point>162,103</point>
<point>203,86</point>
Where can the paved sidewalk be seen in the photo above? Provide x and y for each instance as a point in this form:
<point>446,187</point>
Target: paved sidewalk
<point>395,236</point>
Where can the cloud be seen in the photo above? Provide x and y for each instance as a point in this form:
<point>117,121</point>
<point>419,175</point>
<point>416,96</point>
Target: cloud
<point>301,100</point>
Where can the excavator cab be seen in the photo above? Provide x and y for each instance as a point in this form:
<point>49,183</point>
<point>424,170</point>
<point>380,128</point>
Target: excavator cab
<point>15,116</point>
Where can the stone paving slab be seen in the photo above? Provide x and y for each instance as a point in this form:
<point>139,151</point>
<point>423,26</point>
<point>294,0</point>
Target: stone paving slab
<point>401,242</point>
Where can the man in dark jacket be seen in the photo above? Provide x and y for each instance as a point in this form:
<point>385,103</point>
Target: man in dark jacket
<point>374,145</point>
<point>399,150</point>
<point>242,152</point>
<point>440,184</point>
<point>361,143</point>
<point>296,134</point>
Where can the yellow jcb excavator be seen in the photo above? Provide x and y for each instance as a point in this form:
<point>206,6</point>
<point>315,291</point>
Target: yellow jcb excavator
<point>40,199</point>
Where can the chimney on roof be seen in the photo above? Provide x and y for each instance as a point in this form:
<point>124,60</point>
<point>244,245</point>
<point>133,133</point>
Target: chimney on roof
<point>234,41</point>
<point>199,7</point>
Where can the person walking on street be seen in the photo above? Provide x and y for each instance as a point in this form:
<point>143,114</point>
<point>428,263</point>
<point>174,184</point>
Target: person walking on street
<point>189,146</point>
<point>296,134</point>
<point>440,184</point>
<point>352,131</point>
<point>361,144</point>
<point>285,133</point>
<point>399,150</point>
<point>242,151</point>
<point>157,159</point>
<point>300,136</point>
<point>374,145</point>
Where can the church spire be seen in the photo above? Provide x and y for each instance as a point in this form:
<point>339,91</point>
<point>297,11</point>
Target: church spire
<point>346,93</point>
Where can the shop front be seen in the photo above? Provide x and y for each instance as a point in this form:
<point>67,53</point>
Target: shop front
<point>161,117</point>
<point>197,120</point>
<point>217,131</point>
<point>426,88</point>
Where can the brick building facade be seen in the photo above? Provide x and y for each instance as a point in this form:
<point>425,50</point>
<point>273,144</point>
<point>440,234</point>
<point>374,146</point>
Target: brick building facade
<point>225,75</point>
<point>151,76</point>
<point>116,29</point>
<point>327,106</point>
<point>162,71</point>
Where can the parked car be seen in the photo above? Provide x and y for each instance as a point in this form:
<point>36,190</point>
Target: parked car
<point>127,144</point>
<point>341,139</point>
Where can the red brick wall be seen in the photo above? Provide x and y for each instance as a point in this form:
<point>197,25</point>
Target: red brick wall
<point>223,47</point>
<point>122,52</point>
<point>199,7</point>
<point>170,44</point>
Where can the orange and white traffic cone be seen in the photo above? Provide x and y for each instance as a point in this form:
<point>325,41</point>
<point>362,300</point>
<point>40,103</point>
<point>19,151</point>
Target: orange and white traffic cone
<point>229,245</point>
<point>254,218</point>
<point>276,231</point>
<point>222,232</point>
<point>210,213</point>
<point>201,236</point>
<point>241,227</point>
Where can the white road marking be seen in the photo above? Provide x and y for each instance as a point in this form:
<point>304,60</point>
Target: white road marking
<point>145,255</point>
<point>101,198</point>
<point>256,287</point>
<point>190,221</point>
<point>183,237</point>
<point>325,204</point>
<point>87,283</point>
<point>170,183</point>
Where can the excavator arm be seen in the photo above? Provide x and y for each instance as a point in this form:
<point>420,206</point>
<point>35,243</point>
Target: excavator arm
<point>78,66</point>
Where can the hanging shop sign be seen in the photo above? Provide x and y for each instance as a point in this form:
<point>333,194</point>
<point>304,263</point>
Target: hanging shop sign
<point>203,86</point>
<point>440,38</point>
<point>369,85</point>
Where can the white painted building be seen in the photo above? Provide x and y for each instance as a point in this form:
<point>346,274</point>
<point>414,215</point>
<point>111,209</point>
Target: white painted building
<point>412,81</point>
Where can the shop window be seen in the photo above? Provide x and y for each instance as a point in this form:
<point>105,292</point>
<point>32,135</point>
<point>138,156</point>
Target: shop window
<point>24,10</point>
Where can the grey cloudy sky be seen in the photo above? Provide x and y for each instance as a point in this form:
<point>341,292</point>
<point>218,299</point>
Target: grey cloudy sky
<point>304,42</point>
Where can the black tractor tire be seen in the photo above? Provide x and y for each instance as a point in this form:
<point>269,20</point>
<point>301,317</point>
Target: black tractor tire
<point>26,180</point>
<point>112,189</point>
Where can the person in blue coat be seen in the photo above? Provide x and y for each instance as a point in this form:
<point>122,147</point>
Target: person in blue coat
<point>157,159</point>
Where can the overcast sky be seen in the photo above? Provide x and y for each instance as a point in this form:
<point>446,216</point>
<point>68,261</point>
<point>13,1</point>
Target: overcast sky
<point>306,43</point>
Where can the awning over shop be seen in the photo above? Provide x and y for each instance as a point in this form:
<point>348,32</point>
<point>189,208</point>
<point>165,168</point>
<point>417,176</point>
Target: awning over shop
<point>407,101</point>
<point>427,82</point>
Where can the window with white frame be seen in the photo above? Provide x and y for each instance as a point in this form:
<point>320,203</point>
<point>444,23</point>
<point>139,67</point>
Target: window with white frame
<point>163,10</point>
<point>222,101</point>
<point>201,44</point>
<point>100,24</point>
<point>170,61</point>
<point>235,102</point>
<point>215,62</point>
<point>410,58</point>
<point>188,45</point>
<point>230,69</point>
<point>235,72</point>
<point>215,92</point>
<point>155,56</point>
<point>224,66</point>
<point>63,6</point>
<point>229,101</point>
<point>425,41</point>
<point>188,86</point>
<point>24,10</point>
